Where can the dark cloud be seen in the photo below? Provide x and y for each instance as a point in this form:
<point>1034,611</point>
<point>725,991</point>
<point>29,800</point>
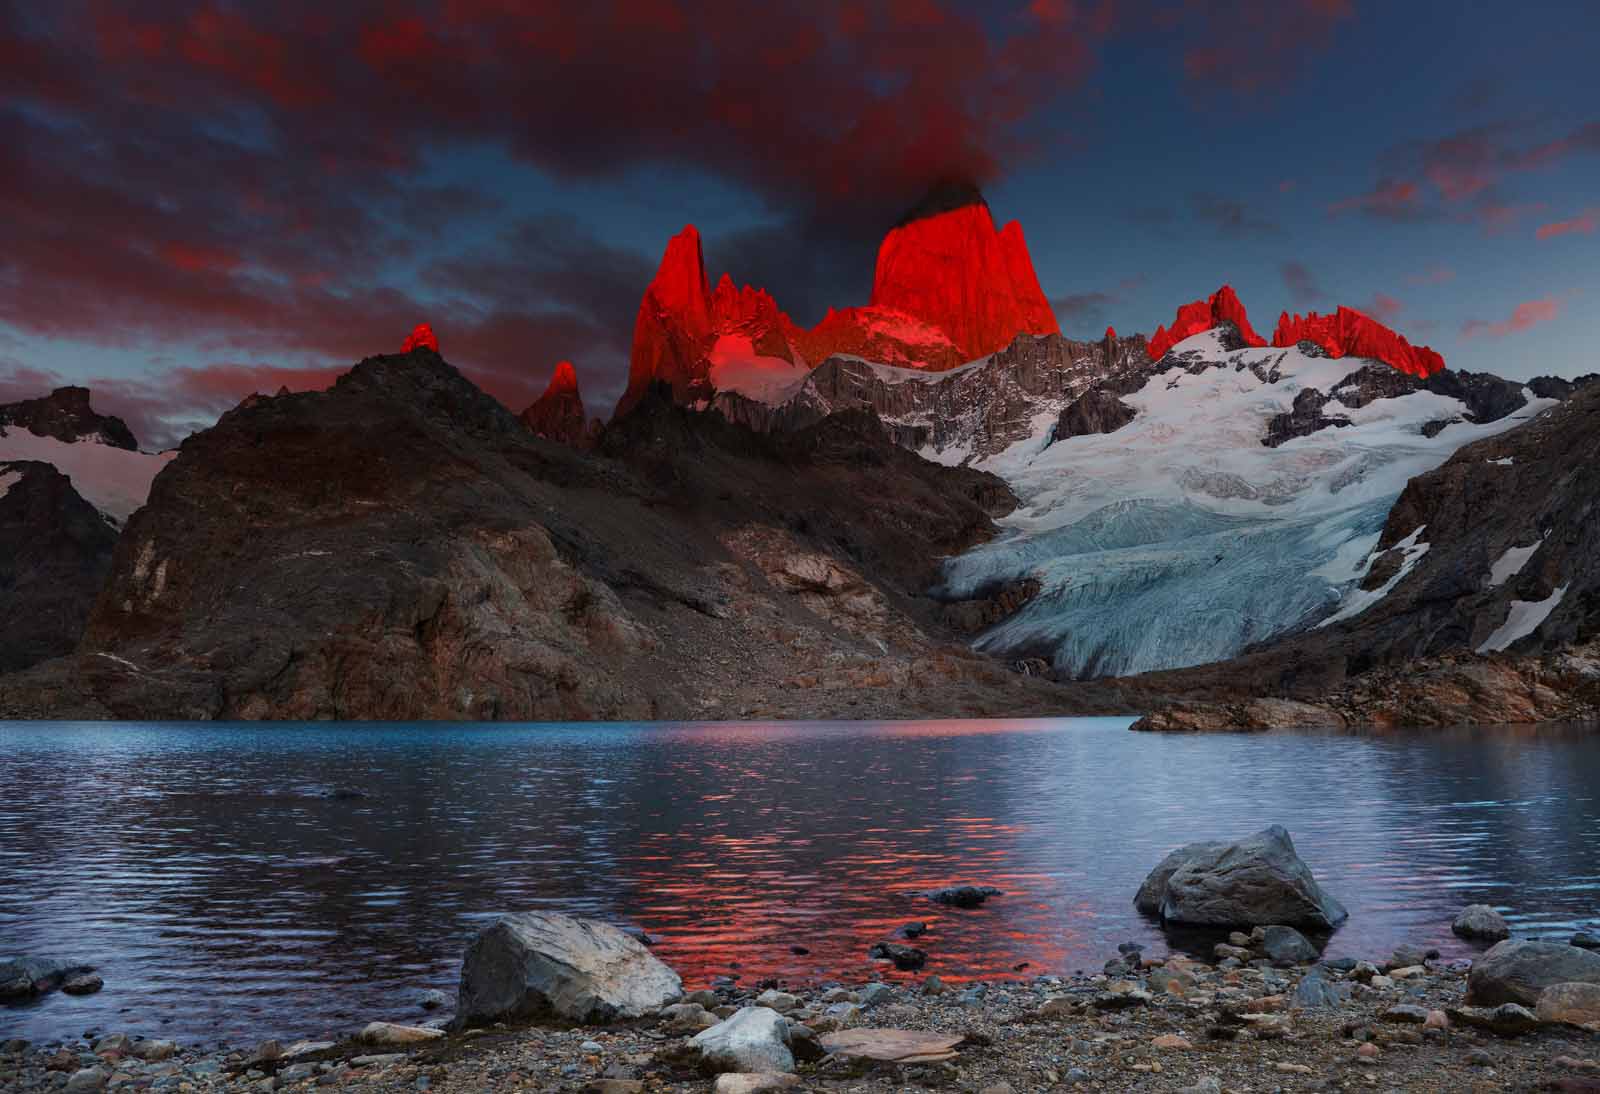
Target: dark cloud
<point>1084,312</point>
<point>1232,218</point>
<point>1251,46</point>
<point>1302,284</point>
<point>1464,174</point>
<point>247,181</point>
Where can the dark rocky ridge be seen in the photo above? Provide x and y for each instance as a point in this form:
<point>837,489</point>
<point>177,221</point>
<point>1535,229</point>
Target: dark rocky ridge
<point>55,552</point>
<point>402,547</point>
<point>66,415</point>
<point>985,407</point>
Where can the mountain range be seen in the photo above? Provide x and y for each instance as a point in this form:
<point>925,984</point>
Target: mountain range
<point>930,504</point>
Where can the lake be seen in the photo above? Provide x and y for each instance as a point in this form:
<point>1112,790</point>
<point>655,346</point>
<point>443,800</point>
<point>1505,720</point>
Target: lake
<point>234,882</point>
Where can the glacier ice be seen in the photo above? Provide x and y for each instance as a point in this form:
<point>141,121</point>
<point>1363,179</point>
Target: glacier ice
<point>1181,538</point>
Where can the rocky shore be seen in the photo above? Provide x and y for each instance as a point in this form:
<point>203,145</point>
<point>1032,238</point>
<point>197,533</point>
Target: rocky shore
<point>1146,1024</point>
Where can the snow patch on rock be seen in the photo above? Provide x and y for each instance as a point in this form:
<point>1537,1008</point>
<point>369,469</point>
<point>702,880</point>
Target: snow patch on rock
<point>113,480</point>
<point>1522,620</point>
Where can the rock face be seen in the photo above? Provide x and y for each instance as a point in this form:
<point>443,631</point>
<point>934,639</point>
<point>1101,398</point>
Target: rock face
<point>66,415</point>
<point>55,553</point>
<point>1222,306</point>
<point>538,964</point>
<point>972,412</point>
<point>1519,972</point>
<point>557,415</point>
<point>1259,881</point>
<point>754,1039</point>
<point>946,265</point>
<point>1481,922</point>
<point>1349,333</point>
<point>1095,411</point>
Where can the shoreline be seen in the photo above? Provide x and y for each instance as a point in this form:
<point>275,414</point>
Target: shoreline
<point>1148,1024</point>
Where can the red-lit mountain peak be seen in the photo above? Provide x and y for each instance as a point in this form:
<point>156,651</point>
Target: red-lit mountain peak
<point>947,266</point>
<point>421,336</point>
<point>1349,333</point>
<point>563,380</point>
<point>558,414</point>
<point>1222,306</point>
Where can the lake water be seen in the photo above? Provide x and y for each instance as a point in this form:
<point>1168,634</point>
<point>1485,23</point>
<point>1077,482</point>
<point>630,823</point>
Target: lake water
<point>230,887</point>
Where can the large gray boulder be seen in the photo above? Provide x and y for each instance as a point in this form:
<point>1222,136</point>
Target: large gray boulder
<point>535,964</point>
<point>1256,882</point>
<point>752,1039</point>
<point>1519,971</point>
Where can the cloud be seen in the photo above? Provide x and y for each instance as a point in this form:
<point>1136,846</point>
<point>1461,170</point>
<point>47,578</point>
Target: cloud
<point>1390,199</point>
<point>1462,174</point>
<point>1232,218</point>
<point>1301,283</point>
<point>1385,308</point>
<point>1583,224</point>
<point>1085,311</point>
<point>1523,317</point>
<point>1433,275</point>
<point>1250,46</point>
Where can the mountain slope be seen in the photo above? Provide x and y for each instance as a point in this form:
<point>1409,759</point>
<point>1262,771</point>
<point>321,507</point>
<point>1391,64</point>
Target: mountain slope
<point>55,552</point>
<point>400,546</point>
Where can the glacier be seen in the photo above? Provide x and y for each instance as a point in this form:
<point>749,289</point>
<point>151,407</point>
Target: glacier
<point>1181,538</point>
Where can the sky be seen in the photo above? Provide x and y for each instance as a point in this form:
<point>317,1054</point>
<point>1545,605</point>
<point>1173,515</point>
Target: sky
<point>200,199</point>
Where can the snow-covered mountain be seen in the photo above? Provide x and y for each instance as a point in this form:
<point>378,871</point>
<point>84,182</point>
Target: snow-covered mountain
<point>97,452</point>
<point>1241,500</point>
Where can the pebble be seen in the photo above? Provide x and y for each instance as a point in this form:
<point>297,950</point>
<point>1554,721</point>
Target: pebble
<point>1367,1052</point>
<point>1171,1041</point>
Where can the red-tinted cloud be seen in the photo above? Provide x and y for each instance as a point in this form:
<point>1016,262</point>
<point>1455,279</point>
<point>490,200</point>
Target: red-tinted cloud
<point>1434,275</point>
<point>1464,174</point>
<point>1385,308</point>
<point>1583,224</point>
<point>1248,46</point>
<point>1523,317</point>
<point>1302,284</point>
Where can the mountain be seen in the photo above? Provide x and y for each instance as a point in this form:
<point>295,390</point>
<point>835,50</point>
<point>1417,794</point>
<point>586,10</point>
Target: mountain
<point>400,546</point>
<point>1478,601</point>
<point>421,336</point>
<point>963,414</point>
<point>1349,333</point>
<point>55,552</point>
<point>98,452</point>
<point>65,415</point>
<point>1233,505</point>
<point>948,287</point>
<point>557,415</point>
<point>1222,306</point>
<point>946,265</point>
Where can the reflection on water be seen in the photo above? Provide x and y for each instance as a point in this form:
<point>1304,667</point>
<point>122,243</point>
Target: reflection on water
<point>239,881</point>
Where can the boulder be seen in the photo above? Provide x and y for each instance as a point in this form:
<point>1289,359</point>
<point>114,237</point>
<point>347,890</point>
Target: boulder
<point>389,1033</point>
<point>905,958</point>
<point>1481,921</point>
<point>1287,946</point>
<point>754,1039</point>
<point>1506,1020</point>
<point>964,896</point>
<point>542,963</point>
<point>27,977</point>
<point>1574,1004</point>
<point>1520,971</point>
<point>760,1082</point>
<point>1259,881</point>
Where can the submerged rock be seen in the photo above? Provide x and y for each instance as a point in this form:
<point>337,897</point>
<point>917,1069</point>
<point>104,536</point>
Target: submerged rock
<point>964,896</point>
<point>27,977</point>
<point>1259,881</point>
<point>539,963</point>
